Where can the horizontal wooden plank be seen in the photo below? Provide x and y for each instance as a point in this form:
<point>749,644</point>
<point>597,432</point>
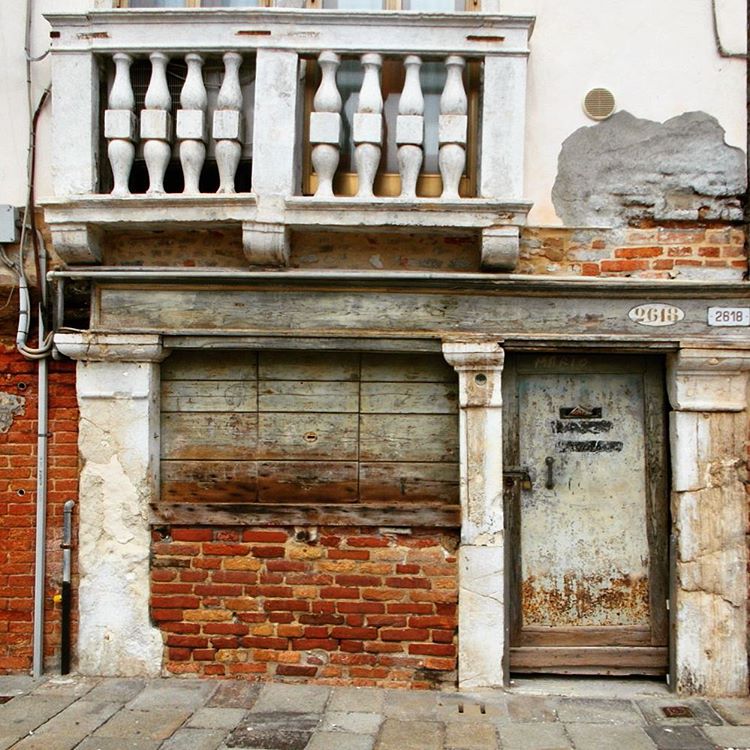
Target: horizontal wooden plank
<point>409,437</point>
<point>308,435</point>
<point>200,365</point>
<point>592,658</point>
<point>307,481</point>
<point>308,396</point>
<point>409,398</point>
<point>409,482</point>
<point>355,514</point>
<point>208,395</point>
<point>209,481</point>
<point>611,635</point>
<point>208,435</point>
<point>308,366</point>
<point>427,368</point>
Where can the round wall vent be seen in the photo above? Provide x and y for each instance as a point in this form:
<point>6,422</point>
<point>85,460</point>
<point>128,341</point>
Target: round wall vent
<point>599,104</point>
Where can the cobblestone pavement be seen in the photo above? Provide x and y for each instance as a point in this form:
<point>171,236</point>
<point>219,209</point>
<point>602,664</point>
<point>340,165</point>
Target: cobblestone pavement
<point>191,714</point>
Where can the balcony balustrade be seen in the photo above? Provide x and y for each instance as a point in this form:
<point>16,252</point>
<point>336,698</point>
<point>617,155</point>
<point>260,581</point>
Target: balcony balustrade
<point>258,117</point>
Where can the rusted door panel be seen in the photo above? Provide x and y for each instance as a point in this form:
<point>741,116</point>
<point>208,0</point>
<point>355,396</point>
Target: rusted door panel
<point>589,567</point>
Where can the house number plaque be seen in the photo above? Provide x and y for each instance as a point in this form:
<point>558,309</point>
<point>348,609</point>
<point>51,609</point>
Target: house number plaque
<point>656,314</point>
<point>729,316</point>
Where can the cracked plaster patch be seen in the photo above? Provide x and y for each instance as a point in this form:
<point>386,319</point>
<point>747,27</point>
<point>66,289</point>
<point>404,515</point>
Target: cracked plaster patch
<point>10,406</point>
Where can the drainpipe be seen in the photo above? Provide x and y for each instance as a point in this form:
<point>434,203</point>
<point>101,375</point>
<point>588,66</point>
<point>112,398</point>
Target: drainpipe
<point>67,545</point>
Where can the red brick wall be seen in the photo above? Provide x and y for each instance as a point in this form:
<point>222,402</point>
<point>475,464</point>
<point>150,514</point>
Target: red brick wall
<point>650,252</point>
<point>18,455</point>
<point>351,606</point>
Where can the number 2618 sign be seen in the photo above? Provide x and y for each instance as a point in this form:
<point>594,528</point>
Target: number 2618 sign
<point>729,316</point>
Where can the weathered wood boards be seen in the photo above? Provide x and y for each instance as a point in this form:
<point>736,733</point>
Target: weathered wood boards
<point>306,427</point>
<point>411,312</point>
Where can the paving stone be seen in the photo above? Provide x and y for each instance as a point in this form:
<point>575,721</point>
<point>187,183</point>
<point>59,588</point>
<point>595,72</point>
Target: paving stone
<point>195,739</point>
<point>116,690</point>
<point>119,743</point>
<point>17,684</point>
<point>702,713</point>
<point>466,736</point>
<point>410,735</point>
<point>235,694</point>
<point>274,731</point>
<point>593,711</point>
<point>369,700</point>
<point>729,737</point>
<point>75,686</point>
<point>21,715</point>
<point>733,710</point>
<point>597,737</point>
<point>534,736</point>
<point>216,718</point>
<point>468,708</point>
<point>70,726</point>
<point>302,699</point>
<point>400,704</point>
<point>354,722</point>
<point>528,708</point>
<point>153,725</point>
<point>340,741</point>
<point>679,738</point>
<point>159,694</point>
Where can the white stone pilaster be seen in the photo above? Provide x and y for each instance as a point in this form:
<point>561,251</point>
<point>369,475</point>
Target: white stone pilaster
<point>117,381</point>
<point>708,432</point>
<point>503,128</point>
<point>481,600</point>
<point>75,136</point>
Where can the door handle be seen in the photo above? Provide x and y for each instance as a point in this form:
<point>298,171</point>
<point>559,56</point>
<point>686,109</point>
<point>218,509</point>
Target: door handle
<point>550,483</point>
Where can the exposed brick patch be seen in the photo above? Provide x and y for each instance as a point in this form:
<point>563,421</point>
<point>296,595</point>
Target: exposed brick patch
<point>358,607</point>
<point>18,452</point>
<point>703,251</point>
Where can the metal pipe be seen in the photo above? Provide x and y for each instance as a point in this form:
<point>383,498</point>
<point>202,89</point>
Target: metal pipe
<point>41,514</point>
<point>67,546</point>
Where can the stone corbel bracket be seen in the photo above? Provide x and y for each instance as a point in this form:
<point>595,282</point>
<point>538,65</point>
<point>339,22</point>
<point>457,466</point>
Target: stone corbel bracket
<point>77,243</point>
<point>500,248</point>
<point>265,244</point>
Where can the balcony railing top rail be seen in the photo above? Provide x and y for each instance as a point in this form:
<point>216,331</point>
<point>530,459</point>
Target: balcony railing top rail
<point>303,31</point>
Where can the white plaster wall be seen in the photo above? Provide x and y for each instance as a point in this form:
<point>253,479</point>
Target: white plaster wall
<point>658,58</point>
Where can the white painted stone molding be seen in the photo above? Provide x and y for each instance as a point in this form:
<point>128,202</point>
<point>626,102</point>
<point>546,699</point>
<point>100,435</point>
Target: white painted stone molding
<point>452,127</point>
<point>367,129</point>
<point>325,125</point>
<point>77,243</point>
<point>120,124</point>
<point>111,347</point>
<point>500,248</point>
<point>479,365</point>
<point>265,244</point>
<point>156,123</point>
<point>228,125</point>
<point>708,379</point>
<point>191,124</point>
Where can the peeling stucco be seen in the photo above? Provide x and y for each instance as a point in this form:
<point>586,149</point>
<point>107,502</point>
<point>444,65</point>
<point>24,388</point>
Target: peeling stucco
<point>626,169</point>
<point>10,407</point>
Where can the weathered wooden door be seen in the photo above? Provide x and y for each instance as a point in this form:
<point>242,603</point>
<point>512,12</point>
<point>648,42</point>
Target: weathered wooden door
<point>588,534</point>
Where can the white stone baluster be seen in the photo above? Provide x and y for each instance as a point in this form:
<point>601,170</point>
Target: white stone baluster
<point>410,128</point>
<point>368,125</point>
<point>325,125</point>
<point>453,125</point>
<point>156,123</point>
<point>120,124</point>
<point>227,126</point>
<point>191,124</point>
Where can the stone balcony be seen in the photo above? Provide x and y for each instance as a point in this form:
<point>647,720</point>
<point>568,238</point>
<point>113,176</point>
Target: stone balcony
<point>280,119</point>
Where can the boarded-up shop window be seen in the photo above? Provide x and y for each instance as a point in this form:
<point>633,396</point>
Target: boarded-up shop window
<point>290,427</point>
